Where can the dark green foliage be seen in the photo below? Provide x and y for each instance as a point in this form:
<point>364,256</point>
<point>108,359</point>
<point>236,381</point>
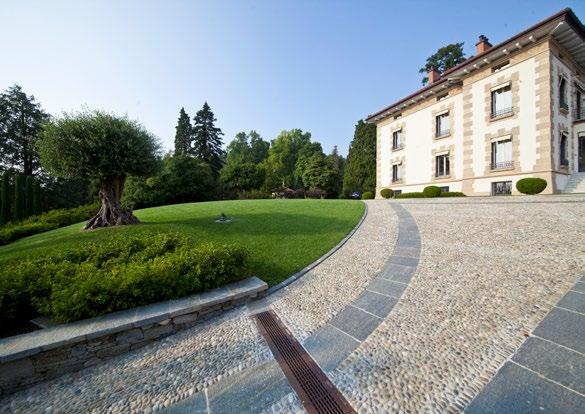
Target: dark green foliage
<point>360,167</point>
<point>284,152</point>
<point>181,179</point>
<point>444,59</point>
<point>28,196</point>
<point>245,148</point>
<point>19,207</point>
<point>243,176</point>
<point>121,273</point>
<point>452,194</point>
<point>21,120</point>
<point>5,215</point>
<point>368,195</point>
<point>47,221</point>
<point>531,185</point>
<point>207,142</point>
<point>387,193</point>
<point>183,133</point>
<point>432,191</point>
<point>67,192</point>
<point>410,195</point>
<point>37,202</point>
<point>254,195</point>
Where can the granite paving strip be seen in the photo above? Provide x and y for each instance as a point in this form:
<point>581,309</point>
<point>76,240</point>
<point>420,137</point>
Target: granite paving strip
<point>547,374</point>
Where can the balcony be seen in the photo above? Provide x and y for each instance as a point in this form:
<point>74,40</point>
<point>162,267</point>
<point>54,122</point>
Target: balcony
<point>502,165</point>
<point>442,133</point>
<point>397,147</point>
<point>502,112</point>
<point>564,106</point>
<point>580,114</point>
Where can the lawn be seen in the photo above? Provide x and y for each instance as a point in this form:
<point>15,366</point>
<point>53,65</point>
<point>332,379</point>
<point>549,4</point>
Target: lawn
<point>282,236</point>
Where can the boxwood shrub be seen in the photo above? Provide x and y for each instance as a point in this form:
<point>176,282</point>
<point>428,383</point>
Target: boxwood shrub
<point>452,194</point>
<point>532,185</point>
<point>44,222</point>
<point>432,191</point>
<point>411,195</point>
<point>368,195</point>
<point>387,193</point>
<point>120,273</point>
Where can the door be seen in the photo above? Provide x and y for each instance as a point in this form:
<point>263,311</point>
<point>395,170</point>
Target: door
<point>581,159</point>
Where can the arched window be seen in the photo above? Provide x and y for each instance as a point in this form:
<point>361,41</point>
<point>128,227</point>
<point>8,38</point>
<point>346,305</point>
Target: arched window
<point>563,93</point>
<point>564,157</point>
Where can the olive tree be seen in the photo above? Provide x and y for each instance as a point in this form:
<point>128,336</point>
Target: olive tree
<point>101,146</point>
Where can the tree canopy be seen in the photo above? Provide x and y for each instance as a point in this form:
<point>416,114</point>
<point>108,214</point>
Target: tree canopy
<point>444,59</point>
<point>207,142</point>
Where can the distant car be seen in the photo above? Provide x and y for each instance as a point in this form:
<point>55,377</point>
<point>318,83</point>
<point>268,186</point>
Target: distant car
<point>356,194</point>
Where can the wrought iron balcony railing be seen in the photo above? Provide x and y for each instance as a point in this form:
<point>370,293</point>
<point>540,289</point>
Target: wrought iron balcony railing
<point>442,133</point>
<point>580,114</point>
<point>397,147</point>
<point>502,165</point>
<point>502,112</point>
<point>565,106</point>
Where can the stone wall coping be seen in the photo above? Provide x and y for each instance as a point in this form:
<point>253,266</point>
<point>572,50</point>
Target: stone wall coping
<point>21,346</point>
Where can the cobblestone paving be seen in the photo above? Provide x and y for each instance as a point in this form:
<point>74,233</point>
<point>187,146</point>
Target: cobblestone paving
<point>311,301</point>
<point>489,272</point>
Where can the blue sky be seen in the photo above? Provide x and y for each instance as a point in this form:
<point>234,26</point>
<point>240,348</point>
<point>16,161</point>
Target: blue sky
<point>265,65</point>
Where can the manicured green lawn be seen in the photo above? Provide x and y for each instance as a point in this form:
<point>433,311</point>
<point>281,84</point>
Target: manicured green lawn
<point>283,236</point>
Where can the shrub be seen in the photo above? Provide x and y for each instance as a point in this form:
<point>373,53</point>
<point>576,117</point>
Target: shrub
<point>315,193</point>
<point>411,195</point>
<point>44,222</point>
<point>387,193</point>
<point>368,195</point>
<point>532,185</point>
<point>123,272</point>
<point>432,191</point>
<point>452,194</point>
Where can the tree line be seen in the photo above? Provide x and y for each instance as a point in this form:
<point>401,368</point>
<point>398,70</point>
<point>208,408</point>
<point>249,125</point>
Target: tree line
<point>198,169</point>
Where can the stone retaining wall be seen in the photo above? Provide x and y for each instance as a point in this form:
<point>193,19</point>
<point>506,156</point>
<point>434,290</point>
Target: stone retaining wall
<point>49,353</point>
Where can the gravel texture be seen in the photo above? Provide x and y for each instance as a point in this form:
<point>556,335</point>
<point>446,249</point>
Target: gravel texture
<point>489,273</point>
<point>311,301</point>
<point>153,377</point>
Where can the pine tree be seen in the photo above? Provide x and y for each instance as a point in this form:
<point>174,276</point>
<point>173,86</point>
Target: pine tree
<point>19,208</point>
<point>5,199</point>
<point>360,166</point>
<point>37,199</point>
<point>28,196</point>
<point>207,140</point>
<point>183,134</point>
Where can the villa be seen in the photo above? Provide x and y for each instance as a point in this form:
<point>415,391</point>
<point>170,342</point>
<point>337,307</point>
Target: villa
<point>514,110</point>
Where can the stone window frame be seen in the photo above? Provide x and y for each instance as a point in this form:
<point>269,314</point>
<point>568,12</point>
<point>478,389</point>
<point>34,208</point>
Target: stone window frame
<point>449,149</point>
<point>563,78</point>
<point>502,134</point>
<point>401,128</point>
<point>441,110</point>
<point>512,80</point>
<point>564,133</point>
<point>401,169</point>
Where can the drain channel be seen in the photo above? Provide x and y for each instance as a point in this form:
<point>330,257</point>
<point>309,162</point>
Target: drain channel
<point>317,393</point>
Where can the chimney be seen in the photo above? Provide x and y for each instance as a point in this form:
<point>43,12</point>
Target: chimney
<point>433,74</point>
<point>482,45</point>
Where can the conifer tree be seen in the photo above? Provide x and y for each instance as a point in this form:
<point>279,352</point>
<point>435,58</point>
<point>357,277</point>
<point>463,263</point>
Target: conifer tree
<point>5,199</point>
<point>28,196</point>
<point>183,133</point>
<point>360,166</point>
<point>207,140</point>
<point>37,199</point>
<point>19,208</point>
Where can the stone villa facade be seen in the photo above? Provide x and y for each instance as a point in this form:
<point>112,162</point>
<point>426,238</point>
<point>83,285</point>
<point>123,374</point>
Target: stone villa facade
<point>514,110</point>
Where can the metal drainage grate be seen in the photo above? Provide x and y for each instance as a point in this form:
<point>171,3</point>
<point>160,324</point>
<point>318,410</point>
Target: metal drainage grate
<point>317,393</point>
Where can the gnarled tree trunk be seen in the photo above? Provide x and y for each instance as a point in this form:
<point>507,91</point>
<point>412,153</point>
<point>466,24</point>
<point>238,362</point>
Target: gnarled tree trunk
<point>111,212</point>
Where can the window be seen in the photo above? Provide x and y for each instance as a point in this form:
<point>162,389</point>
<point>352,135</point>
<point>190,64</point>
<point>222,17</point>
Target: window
<point>444,189</point>
<point>563,93</point>
<point>502,154</point>
<point>442,165</point>
<point>564,158</point>
<point>502,188</point>
<point>502,101</point>
<point>396,176</point>
<point>500,66</point>
<point>580,105</point>
<point>397,139</point>
<point>442,125</point>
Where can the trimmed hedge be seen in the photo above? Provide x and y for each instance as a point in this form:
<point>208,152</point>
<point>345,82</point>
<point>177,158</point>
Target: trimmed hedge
<point>387,192</point>
<point>452,194</point>
<point>368,195</point>
<point>44,222</point>
<point>432,191</point>
<point>532,185</point>
<point>410,195</point>
<point>121,273</point>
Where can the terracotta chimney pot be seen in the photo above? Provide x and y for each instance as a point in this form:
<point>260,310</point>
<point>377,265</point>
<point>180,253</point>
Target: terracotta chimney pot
<point>434,75</point>
<point>483,45</point>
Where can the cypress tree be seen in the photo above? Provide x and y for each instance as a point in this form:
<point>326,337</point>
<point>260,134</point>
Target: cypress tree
<point>37,199</point>
<point>360,166</point>
<point>5,200</point>
<point>19,208</point>
<point>183,133</point>
<point>28,196</point>
<point>207,140</point>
